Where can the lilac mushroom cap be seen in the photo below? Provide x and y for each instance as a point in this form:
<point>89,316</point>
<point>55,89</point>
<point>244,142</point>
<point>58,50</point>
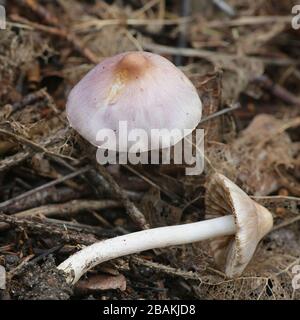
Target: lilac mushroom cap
<point>143,89</point>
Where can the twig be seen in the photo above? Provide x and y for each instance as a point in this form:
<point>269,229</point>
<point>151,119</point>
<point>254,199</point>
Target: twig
<point>286,223</point>
<point>40,10</point>
<point>83,228</point>
<point>44,196</point>
<point>277,90</point>
<point>146,177</point>
<point>38,226</point>
<point>35,146</point>
<point>28,99</point>
<point>14,160</point>
<point>98,24</point>
<point>134,213</point>
<point>43,187</point>
<point>19,267</point>
<point>225,7</point>
<point>45,254</point>
<point>212,55</point>
<point>62,33</point>
<point>69,208</point>
<point>62,209</point>
<point>22,156</point>
<point>72,38</point>
<point>148,5</point>
<point>250,20</point>
<point>37,26</point>
<point>158,267</point>
<point>291,204</point>
<point>134,41</point>
<point>22,140</point>
<point>28,261</point>
<point>221,112</point>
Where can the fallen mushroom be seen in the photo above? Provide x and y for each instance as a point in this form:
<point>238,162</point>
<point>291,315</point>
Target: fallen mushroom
<point>253,221</point>
<point>239,226</point>
<point>141,89</point>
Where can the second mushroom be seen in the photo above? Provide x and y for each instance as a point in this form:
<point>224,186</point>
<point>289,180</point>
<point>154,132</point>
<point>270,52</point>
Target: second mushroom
<point>239,225</point>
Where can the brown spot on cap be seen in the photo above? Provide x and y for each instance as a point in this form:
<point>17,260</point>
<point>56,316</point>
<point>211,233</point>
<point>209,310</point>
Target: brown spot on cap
<point>130,67</point>
<point>134,64</point>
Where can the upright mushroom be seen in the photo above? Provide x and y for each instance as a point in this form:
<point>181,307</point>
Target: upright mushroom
<point>239,226</point>
<point>143,89</point>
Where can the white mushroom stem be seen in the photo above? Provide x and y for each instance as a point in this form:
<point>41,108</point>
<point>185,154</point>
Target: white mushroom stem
<point>85,259</point>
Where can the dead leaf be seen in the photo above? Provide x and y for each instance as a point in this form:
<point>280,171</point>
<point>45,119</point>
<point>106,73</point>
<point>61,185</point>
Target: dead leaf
<point>101,282</point>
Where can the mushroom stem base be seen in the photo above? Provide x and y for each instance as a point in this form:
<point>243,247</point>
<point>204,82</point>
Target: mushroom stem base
<point>79,263</point>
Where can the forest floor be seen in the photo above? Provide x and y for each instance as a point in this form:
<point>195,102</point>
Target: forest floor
<point>244,61</point>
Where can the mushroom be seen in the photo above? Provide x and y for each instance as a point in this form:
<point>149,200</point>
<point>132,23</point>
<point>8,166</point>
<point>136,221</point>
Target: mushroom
<point>142,89</point>
<point>240,224</point>
<point>252,221</point>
